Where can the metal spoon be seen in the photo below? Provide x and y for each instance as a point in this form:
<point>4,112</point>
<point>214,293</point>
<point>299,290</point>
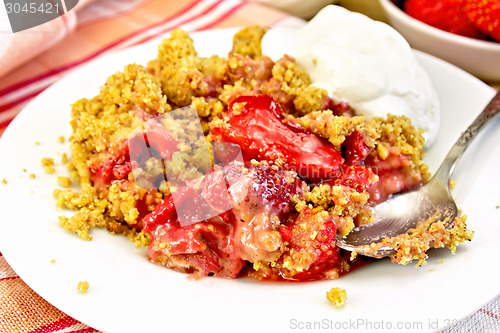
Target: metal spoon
<point>402,212</point>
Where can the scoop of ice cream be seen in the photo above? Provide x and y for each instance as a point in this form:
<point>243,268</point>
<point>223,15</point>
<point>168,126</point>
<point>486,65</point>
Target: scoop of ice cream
<point>363,62</point>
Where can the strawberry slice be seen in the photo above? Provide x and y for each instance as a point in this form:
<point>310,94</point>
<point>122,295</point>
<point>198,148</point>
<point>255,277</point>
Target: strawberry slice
<point>257,124</point>
<point>447,15</point>
<point>485,14</point>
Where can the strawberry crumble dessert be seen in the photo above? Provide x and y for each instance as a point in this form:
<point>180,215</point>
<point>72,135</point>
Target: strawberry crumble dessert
<point>478,19</point>
<point>289,168</point>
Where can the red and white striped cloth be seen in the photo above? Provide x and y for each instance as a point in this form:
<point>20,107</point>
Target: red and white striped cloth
<point>30,64</point>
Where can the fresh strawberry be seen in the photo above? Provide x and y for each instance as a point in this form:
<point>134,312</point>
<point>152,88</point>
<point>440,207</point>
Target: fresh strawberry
<point>485,14</point>
<point>447,15</point>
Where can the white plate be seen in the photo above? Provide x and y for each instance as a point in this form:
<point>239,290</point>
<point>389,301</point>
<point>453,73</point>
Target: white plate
<point>129,294</point>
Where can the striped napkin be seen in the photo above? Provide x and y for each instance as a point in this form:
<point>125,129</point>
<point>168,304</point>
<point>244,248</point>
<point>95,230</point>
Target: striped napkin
<point>31,62</point>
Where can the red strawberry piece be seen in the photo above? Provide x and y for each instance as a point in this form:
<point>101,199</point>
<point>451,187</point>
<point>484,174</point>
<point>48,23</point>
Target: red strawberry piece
<point>447,15</point>
<point>485,14</point>
<point>201,249</point>
<point>257,124</point>
<point>214,190</point>
<point>340,108</point>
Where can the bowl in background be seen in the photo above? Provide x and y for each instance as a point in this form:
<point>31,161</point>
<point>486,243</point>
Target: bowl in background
<point>478,57</point>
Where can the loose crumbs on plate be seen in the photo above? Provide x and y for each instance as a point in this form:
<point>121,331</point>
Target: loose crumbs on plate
<point>178,77</point>
<point>48,163</point>
<point>337,296</point>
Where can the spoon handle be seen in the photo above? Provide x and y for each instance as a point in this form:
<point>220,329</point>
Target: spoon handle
<point>446,169</point>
